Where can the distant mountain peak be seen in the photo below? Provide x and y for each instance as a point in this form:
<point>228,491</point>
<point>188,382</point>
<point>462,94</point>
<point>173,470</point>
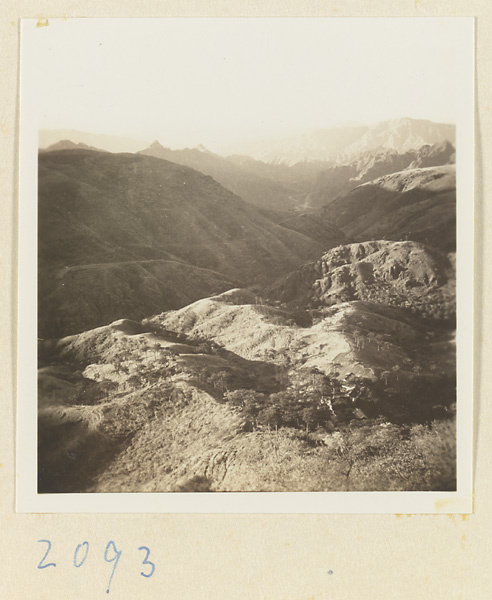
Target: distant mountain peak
<point>70,145</point>
<point>99,141</point>
<point>156,145</point>
<point>203,149</point>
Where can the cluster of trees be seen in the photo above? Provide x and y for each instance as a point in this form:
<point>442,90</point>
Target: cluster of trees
<point>313,401</point>
<point>279,410</point>
<point>225,380</point>
<point>440,311</point>
<point>316,400</point>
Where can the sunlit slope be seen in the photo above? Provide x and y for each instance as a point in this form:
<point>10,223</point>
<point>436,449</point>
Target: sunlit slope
<point>359,338</point>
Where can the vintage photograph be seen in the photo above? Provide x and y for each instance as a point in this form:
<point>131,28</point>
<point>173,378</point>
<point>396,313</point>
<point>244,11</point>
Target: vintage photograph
<point>246,255</point>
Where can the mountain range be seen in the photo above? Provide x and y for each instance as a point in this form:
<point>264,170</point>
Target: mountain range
<point>341,143</point>
<point>343,177</point>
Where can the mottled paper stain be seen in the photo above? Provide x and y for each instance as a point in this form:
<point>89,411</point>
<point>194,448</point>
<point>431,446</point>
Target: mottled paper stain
<point>317,596</point>
<point>464,516</point>
<point>440,505</point>
<point>42,23</point>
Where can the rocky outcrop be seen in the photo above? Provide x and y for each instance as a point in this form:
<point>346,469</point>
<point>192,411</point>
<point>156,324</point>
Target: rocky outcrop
<point>404,274</point>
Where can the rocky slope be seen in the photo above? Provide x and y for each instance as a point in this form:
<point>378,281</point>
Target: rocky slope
<point>403,274</point>
<point>123,235</point>
<point>236,321</point>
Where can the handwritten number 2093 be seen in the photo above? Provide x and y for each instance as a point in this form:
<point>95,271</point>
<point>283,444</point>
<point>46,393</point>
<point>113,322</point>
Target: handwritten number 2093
<point>111,555</point>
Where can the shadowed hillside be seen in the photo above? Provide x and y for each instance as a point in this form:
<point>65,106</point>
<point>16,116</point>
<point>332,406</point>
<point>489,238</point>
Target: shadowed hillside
<point>268,189</point>
<point>123,235</point>
<point>417,204</point>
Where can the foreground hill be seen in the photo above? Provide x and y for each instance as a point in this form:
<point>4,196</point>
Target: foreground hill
<point>229,394</point>
<point>330,343</point>
<point>124,235</point>
<point>414,204</point>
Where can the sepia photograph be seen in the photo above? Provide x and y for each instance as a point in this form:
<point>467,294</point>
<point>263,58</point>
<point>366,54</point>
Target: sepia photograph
<point>245,255</point>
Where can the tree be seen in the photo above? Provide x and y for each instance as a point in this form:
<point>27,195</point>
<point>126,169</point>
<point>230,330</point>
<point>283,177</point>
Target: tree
<point>270,415</point>
<point>156,347</point>
<point>134,381</point>
<point>236,397</point>
<point>220,380</point>
<point>249,401</point>
<point>288,407</point>
<point>321,387</point>
<point>385,375</point>
<point>309,416</point>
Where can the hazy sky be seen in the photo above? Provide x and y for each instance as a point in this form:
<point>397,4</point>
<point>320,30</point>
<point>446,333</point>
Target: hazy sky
<point>215,81</point>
